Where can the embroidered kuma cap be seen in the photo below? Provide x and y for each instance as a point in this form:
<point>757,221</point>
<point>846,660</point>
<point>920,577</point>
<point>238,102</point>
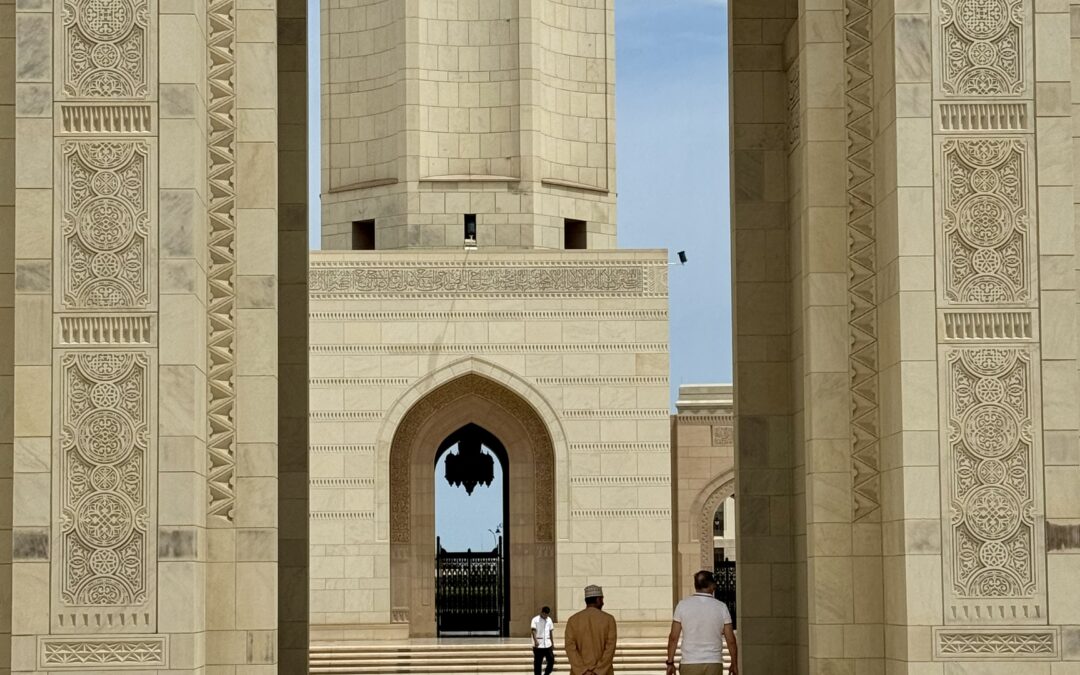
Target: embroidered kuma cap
<point>593,591</point>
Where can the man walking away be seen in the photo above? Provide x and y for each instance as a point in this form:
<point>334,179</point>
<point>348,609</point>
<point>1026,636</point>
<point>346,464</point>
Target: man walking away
<point>590,637</point>
<point>543,641</point>
<point>704,623</point>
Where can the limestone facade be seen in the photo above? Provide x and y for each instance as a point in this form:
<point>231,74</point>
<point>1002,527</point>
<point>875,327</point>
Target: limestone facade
<point>703,478</point>
<point>903,213</point>
<point>562,355</point>
<point>503,109</point>
<point>904,244</point>
<point>145,446</point>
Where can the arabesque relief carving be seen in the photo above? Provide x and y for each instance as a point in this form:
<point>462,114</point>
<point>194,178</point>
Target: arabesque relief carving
<point>106,233</point>
<point>106,470</point>
<point>106,49</point>
<point>982,47</point>
<point>985,218</point>
<point>990,467</point>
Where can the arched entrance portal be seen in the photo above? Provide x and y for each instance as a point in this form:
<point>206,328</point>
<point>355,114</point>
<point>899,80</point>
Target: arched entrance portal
<point>472,502</point>
<point>530,528</point>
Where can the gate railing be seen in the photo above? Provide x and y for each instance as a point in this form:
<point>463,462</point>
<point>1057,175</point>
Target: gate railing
<point>724,573</point>
<point>469,591</point>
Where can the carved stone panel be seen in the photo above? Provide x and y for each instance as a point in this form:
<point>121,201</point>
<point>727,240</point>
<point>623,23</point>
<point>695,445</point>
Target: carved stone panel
<point>982,48</point>
<point>221,261</point>
<point>106,48</point>
<point>486,279</point>
<point>986,216</point>
<point>107,242</point>
<point>991,486</point>
<point>863,361</point>
<point>104,492</point>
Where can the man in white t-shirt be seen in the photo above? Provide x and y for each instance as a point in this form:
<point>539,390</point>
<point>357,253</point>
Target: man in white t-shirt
<point>543,641</point>
<point>704,623</point>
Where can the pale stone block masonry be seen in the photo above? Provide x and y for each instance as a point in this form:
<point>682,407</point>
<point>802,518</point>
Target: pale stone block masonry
<point>582,336</point>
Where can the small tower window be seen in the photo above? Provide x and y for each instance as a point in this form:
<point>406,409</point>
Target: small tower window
<point>575,234</point>
<point>363,235</point>
<point>470,229</point>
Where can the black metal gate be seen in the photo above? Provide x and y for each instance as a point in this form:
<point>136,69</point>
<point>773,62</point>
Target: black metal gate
<point>724,573</point>
<point>471,592</point>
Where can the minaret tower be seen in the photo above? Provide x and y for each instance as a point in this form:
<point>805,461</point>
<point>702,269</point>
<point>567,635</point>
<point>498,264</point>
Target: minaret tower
<point>441,118</point>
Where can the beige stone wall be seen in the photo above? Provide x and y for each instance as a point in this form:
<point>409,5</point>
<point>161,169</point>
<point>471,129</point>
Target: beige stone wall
<point>582,337</point>
<point>7,326</point>
<point>766,514</point>
<point>144,527</point>
<point>938,257</point>
<point>499,108</point>
<point>703,476</point>
<point>292,336</point>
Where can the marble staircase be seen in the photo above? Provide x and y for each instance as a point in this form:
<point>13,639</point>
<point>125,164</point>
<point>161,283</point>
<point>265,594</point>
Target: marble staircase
<point>496,657</point>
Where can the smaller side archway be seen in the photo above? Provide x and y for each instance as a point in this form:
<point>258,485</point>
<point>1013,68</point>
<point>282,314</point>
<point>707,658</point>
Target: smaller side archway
<point>697,553</point>
<point>435,416</point>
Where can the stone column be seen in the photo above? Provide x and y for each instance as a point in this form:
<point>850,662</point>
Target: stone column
<point>292,327</point>
<point>764,455</point>
<point>7,318</point>
<point>145,339</point>
<point>977,323</point>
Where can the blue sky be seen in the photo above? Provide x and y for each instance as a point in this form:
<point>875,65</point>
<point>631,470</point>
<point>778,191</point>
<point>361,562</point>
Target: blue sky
<point>672,154</point>
<point>671,124</point>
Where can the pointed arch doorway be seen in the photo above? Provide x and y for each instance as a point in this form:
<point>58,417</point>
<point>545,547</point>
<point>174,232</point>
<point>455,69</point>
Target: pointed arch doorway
<point>529,530</point>
<point>472,501</point>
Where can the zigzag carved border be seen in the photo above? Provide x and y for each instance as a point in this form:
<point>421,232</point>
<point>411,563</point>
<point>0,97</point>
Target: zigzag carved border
<point>862,263</point>
<point>221,259</point>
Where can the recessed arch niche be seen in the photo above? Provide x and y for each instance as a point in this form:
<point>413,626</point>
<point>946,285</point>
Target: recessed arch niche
<point>471,399</point>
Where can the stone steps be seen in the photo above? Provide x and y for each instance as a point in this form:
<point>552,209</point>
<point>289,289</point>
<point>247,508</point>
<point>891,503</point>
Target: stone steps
<point>632,658</point>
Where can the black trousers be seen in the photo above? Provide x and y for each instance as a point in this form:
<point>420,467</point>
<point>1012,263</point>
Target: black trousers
<point>539,656</point>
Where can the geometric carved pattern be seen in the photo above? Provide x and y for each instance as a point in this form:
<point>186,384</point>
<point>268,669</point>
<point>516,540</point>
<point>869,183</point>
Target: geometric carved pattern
<point>221,259</point>
<point>620,514</point>
<point>487,279</point>
<point>793,105</point>
<point>862,263</point>
<point>982,51</point>
<point>496,394</point>
<point>990,479</point>
<point>105,225</point>
<point>89,329</point>
<point>988,325</point>
<point>125,653</point>
<point>91,118</point>
<point>968,117</point>
<point>1014,643</point>
<point>985,214</point>
<point>106,49</point>
<point>104,481</point>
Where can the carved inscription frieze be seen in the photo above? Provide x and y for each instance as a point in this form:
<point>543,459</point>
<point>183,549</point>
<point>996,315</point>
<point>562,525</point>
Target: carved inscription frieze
<point>106,50</point>
<point>986,221</point>
<point>105,498</point>
<point>106,236</point>
<point>982,47</point>
<point>489,280</point>
<point>991,490</point>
